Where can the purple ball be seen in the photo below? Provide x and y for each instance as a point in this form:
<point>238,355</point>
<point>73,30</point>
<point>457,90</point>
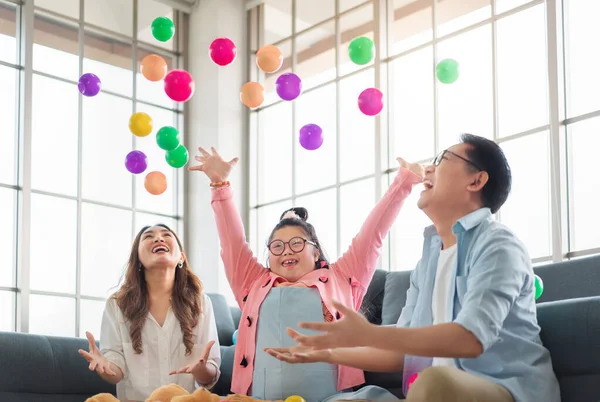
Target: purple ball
<point>370,101</point>
<point>136,162</point>
<point>288,86</point>
<point>89,84</point>
<point>311,137</point>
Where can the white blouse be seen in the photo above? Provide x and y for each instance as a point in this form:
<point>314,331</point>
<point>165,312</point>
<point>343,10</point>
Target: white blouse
<point>163,351</point>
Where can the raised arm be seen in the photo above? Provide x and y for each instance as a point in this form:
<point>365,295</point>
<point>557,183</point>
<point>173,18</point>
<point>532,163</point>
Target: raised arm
<point>360,260</point>
<point>241,267</point>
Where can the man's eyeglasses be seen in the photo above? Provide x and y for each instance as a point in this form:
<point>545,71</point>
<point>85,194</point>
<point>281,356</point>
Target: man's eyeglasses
<point>438,159</point>
<point>296,244</point>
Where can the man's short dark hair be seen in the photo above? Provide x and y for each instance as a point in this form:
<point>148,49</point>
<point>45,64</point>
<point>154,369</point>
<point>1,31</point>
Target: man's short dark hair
<point>490,158</point>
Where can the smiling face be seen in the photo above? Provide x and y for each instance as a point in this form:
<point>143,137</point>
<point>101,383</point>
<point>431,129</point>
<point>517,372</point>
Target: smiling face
<point>158,249</point>
<point>291,253</point>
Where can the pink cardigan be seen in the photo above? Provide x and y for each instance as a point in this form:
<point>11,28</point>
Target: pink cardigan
<point>346,280</point>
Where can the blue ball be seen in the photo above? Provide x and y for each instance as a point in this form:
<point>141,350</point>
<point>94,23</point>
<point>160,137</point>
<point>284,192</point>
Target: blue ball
<point>234,337</point>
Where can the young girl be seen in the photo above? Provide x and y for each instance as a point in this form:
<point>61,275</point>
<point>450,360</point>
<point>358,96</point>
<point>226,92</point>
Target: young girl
<point>159,328</point>
<point>298,283</point>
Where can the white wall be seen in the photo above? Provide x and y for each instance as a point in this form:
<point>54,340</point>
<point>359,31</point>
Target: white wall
<point>215,117</point>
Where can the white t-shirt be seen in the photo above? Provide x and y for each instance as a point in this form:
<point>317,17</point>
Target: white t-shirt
<point>163,350</point>
<point>439,303</point>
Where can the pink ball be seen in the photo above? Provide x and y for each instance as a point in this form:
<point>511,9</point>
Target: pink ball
<point>412,379</point>
<point>179,85</point>
<point>370,101</point>
<point>222,51</point>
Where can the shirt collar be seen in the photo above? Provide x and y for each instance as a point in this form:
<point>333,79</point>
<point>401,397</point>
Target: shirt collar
<point>465,223</point>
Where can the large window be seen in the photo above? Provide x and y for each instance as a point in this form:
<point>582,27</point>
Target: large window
<point>68,207</point>
<point>527,81</point>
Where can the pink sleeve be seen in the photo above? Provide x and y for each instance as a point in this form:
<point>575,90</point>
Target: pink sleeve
<point>360,260</point>
<point>241,267</point>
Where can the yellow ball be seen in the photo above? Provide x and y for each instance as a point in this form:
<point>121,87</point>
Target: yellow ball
<point>140,124</point>
<point>295,398</point>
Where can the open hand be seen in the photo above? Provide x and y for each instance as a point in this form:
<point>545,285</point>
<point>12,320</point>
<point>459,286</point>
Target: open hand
<point>416,168</point>
<point>97,360</point>
<point>213,165</point>
<point>299,354</point>
<point>199,366</point>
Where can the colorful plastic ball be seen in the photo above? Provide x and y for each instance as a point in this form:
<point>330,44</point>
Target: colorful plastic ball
<point>178,157</point>
<point>412,379</point>
<point>288,86</point>
<point>222,51</point>
<point>155,183</point>
<point>162,29</point>
<point>539,287</point>
<point>311,137</point>
<point>136,162</point>
<point>167,138</point>
<point>179,85</point>
<point>153,67</point>
<point>234,337</point>
<point>252,94</point>
<point>140,124</point>
<point>89,84</point>
<point>294,398</point>
<point>370,101</point>
<point>269,58</point>
<point>447,71</point>
<point>361,50</point>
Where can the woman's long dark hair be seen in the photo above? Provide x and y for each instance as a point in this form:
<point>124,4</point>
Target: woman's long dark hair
<point>132,296</point>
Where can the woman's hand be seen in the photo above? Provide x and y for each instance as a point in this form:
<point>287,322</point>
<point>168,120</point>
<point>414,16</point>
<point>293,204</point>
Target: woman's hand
<point>97,360</point>
<point>203,373</point>
<point>416,168</point>
<point>213,165</point>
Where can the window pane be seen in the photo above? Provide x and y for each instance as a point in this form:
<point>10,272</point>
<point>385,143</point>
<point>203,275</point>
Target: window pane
<point>7,311</point>
<point>53,250</point>
<point>8,213</point>
<point>54,132</point>
<point>270,79</point>
<point>147,12</point>
<point>316,169</point>
<point>112,15</point>
<point>268,217</point>
<point>322,214</point>
<point>584,182</point>
<point>356,201</point>
<point>352,25</point>
<point>252,145</point>
<point>8,42</point>
<point>583,81</point>
<point>8,104</point>
<point>152,92</point>
<point>142,220</point>
<point>307,15</point>
<point>69,8</point>
<point>527,210</point>
<point>411,97</point>
<point>467,104</point>
<point>55,48</point>
<point>51,315</point>
<point>274,150</point>
<point>277,20</point>
<point>412,24</point>
<point>106,142</point>
<point>315,51</point>
<point>253,231</point>
<point>357,131</point>
<point>90,317</point>
<point>453,15</point>
<point>111,61</point>
<point>105,245</point>
<point>506,5</point>
<point>522,86</point>
<point>163,203</point>
<point>407,232</point>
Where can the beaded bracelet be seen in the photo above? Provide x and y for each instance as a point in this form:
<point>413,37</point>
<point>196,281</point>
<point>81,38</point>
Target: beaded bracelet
<point>220,184</point>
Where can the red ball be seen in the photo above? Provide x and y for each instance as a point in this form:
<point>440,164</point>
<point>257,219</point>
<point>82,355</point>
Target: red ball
<point>222,51</point>
<point>179,85</point>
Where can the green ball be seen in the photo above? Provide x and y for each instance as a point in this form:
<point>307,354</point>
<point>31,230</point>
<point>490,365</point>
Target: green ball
<point>167,138</point>
<point>178,157</point>
<point>163,29</point>
<point>361,50</point>
<point>539,287</point>
<point>447,71</point>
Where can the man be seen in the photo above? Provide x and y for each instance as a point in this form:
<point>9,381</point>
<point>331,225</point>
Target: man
<point>468,331</point>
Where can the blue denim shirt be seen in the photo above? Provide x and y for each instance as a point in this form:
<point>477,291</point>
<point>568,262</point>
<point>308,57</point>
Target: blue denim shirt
<point>494,298</point>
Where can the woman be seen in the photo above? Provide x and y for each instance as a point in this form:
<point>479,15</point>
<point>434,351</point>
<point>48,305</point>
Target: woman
<point>159,327</point>
<point>298,283</point>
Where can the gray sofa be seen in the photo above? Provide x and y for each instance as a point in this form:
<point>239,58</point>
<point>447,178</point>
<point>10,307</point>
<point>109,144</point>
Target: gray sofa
<point>47,369</point>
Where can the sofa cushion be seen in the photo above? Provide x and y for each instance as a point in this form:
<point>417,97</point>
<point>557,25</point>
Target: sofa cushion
<point>396,286</point>
<point>223,386</point>
<point>225,324</point>
<point>570,279</point>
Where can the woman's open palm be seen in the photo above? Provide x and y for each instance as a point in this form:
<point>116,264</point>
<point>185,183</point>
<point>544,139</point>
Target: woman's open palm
<point>96,359</point>
<point>213,165</point>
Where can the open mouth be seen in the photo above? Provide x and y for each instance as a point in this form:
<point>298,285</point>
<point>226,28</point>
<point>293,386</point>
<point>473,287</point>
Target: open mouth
<point>289,263</point>
<point>161,248</point>
<point>428,184</point>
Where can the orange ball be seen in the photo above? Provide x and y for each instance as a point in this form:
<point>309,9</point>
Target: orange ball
<point>269,58</point>
<point>252,94</point>
<point>153,67</point>
<point>155,183</point>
